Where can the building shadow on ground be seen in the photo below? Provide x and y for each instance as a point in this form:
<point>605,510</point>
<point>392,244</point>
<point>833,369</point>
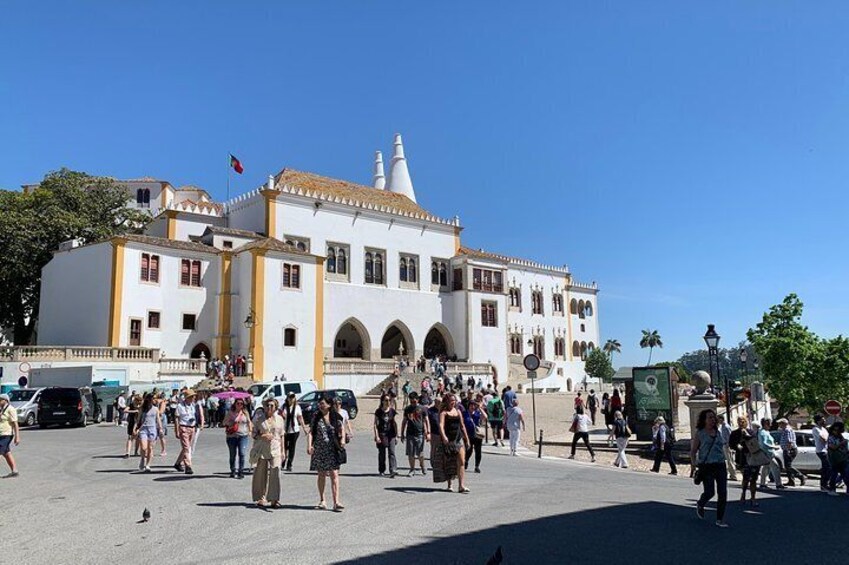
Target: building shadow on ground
<point>645,532</point>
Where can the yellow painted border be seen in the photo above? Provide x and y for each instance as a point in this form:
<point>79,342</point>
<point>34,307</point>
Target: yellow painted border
<point>171,218</point>
<point>116,297</point>
<point>258,305</point>
<point>270,212</point>
<point>224,304</point>
<point>318,369</point>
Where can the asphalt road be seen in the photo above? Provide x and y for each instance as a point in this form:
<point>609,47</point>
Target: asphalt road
<point>77,501</point>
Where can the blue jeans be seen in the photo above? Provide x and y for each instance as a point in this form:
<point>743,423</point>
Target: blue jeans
<point>240,444</point>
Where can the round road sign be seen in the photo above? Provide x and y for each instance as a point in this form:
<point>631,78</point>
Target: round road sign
<point>22,382</point>
<point>24,367</point>
<point>833,408</point>
<point>531,362</point>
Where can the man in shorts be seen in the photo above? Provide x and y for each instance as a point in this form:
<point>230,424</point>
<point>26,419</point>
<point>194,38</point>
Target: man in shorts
<point>415,430</point>
<point>495,417</point>
<point>10,433</point>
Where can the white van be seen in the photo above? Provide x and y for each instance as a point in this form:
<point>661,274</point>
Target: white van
<point>279,390</point>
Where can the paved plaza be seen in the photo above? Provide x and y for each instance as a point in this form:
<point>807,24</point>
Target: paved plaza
<point>78,501</point>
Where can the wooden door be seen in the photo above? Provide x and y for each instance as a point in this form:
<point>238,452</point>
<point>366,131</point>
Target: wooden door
<point>135,331</point>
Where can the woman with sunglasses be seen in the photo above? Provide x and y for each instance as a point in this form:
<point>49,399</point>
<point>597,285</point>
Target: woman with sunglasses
<point>237,428</point>
<point>267,455</point>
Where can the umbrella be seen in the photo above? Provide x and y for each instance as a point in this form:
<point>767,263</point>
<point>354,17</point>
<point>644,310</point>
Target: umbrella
<point>232,394</point>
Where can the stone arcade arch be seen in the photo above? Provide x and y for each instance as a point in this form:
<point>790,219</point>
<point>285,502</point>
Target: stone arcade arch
<point>396,336</point>
<point>199,350</point>
<point>352,341</point>
<point>438,342</point>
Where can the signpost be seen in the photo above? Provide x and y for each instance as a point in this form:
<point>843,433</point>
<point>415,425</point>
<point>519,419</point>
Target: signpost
<point>833,408</point>
<point>531,363</point>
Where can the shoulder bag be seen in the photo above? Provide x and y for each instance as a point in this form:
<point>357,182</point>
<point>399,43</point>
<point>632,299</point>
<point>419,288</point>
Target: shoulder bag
<point>699,474</point>
<point>756,457</point>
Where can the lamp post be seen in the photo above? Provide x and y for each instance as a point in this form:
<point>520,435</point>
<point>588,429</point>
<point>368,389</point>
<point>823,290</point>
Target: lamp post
<point>744,356</point>
<point>712,342</point>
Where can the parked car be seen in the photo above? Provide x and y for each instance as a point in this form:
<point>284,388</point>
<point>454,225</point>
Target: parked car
<point>309,401</point>
<point>25,401</point>
<point>61,406</point>
<point>806,461</point>
<point>278,390</point>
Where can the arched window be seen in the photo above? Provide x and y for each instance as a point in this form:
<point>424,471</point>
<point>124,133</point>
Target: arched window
<point>331,260</point>
<point>369,269</point>
<point>539,346</point>
<point>140,196</point>
<point>576,349</point>
<point>434,273</point>
<point>378,268</point>
<point>589,309</point>
<point>573,306</point>
<point>590,346</point>
<point>443,275</point>
<point>302,246</point>
<point>146,198</point>
<point>402,272</point>
<point>581,309</point>
<point>583,351</point>
<point>412,275</point>
<point>341,263</point>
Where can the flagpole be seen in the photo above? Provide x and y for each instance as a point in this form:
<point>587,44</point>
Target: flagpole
<point>227,202</point>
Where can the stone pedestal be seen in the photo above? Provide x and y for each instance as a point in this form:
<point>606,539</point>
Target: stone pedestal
<point>696,404</point>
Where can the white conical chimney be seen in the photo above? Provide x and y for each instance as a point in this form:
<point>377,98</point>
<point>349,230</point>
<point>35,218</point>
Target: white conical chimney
<point>379,180</point>
<point>399,175</point>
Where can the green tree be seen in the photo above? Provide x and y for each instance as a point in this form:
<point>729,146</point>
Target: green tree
<point>65,205</point>
<point>612,346</point>
<point>650,339</point>
<point>790,355</point>
<point>598,366</point>
<point>832,371</point>
<point>683,373</point>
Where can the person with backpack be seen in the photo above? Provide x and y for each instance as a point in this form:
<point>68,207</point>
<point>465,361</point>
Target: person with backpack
<point>663,439</point>
<point>621,432</point>
<point>495,416</point>
<point>592,405</point>
<point>581,431</point>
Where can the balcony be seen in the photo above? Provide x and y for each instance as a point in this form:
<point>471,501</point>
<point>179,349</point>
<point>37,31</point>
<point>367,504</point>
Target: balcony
<point>78,353</point>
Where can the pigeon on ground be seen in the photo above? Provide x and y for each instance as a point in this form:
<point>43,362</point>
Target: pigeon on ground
<point>145,515</point>
<point>496,558</point>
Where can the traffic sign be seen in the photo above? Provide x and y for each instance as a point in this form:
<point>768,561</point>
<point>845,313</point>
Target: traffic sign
<point>531,362</point>
<point>532,375</point>
<point>833,408</point>
<point>22,382</point>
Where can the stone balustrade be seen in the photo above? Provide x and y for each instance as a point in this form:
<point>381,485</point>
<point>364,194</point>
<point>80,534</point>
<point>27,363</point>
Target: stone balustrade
<point>182,366</point>
<point>78,353</point>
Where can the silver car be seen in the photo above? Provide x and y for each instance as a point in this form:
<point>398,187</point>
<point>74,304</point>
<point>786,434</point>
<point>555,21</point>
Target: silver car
<point>25,401</point>
<point>806,461</point>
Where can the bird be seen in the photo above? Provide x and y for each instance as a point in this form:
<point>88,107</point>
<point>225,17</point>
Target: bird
<point>496,558</point>
<point>145,515</point>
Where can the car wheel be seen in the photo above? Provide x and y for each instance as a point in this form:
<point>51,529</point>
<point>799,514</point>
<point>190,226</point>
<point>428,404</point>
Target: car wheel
<point>30,420</point>
<point>84,421</point>
<point>352,413</point>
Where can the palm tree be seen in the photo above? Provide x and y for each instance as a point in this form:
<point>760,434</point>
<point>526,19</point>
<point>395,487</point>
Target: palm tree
<point>612,346</point>
<point>651,339</point>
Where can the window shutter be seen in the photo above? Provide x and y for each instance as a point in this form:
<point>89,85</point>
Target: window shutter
<point>185,277</point>
<point>296,276</point>
<point>145,267</point>
<point>287,275</point>
<point>154,268</point>
<point>195,273</point>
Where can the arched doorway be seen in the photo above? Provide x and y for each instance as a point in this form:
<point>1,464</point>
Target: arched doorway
<point>397,340</point>
<point>200,350</point>
<point>438,342</point>
<point>351,341</point>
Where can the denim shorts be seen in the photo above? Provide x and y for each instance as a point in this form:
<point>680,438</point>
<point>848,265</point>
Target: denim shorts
<point>148,434</point>
<point>5,444</point>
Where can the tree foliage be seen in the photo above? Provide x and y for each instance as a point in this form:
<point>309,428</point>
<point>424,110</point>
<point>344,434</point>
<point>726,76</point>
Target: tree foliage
<point>598,366</point>
<point>65,205</point>
<point>791,357</point>
<point>683,373</point>
<point>650,339</point>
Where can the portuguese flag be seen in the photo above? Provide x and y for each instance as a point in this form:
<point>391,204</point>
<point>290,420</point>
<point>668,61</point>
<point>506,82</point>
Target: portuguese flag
<point>236,164</point>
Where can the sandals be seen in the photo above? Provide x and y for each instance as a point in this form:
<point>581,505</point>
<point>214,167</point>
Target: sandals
<point>464,490</point>
<point>276,504</point>
<point>321,506</point>
<point>338,508</point>
<point>261,503</point>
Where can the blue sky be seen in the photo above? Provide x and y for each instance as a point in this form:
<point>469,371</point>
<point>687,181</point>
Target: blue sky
<point>690,158</point>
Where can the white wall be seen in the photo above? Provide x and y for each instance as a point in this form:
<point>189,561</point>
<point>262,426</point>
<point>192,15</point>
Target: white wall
<point>284,308</point>
<point>171,300</point>
<point>248,213</point>
<point>75,297</point>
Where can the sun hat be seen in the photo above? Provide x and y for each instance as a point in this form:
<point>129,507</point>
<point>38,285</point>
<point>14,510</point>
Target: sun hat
<point>189,393</point>
<point>4,397</point>
<point>660,420</point>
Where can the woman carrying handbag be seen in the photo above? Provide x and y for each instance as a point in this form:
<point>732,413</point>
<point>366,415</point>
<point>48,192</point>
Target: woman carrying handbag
<point>707,453</point>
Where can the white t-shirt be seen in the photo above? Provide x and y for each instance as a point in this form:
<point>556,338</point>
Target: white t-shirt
<point>294,426</point>
<point>820,439</point>
<point>513,421</point>
<point>583,422</point>
<point>122,402</point>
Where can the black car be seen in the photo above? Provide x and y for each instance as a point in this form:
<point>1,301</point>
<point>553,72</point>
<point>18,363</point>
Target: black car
<point>309,401</point>
<point>61,406</point>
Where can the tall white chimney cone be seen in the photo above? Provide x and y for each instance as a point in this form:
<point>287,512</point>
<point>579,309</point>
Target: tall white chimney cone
<point>399,175</point>
<point>379,180</point>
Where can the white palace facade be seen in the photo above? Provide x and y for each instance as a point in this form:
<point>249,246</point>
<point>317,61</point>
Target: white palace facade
<point>317,278</point>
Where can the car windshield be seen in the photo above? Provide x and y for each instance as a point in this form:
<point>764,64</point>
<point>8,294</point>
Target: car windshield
<point>309,397</point>
<point>21,395</point>
<point>258,389</point>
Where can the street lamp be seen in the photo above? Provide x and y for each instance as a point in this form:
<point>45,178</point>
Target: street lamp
<point>744,356</point>
<point>251,320</point>
<point>712,342</point>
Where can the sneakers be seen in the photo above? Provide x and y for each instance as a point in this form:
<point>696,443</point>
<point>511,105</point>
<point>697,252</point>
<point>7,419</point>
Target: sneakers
<point>147,469</point>
<point>411,473</point>
<point>700,512</point>
<point>477,469</point>
<point>592,460</point>
<point>571,457</point>
<point>178,467</point>
<point>11,475</point>
<point>721,524</point>
<point>189,470</point>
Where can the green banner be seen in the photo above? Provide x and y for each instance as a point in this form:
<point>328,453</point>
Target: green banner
<point>651,389</point>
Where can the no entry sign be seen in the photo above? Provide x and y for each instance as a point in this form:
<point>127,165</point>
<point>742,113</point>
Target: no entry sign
<point>833,408</point>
